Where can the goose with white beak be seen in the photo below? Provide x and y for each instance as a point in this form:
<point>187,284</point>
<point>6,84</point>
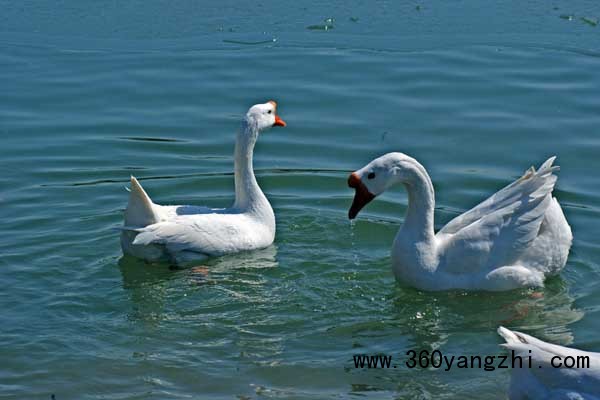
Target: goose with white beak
<point>181,234</point>
<point>513,239</point>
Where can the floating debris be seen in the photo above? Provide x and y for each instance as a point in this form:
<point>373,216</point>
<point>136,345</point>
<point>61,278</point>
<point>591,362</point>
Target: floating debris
<point>319,27</point>
<point>590,21</point>
<point>354,19</point>
<point>328,25</point>
<point>587,20</point>
<point>249,42</point>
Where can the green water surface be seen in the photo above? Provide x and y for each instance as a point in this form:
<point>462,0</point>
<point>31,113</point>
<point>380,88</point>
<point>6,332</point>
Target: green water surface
<point>92,92</point>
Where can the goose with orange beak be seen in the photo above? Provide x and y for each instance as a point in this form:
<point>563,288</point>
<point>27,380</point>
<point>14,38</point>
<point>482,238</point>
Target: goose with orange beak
<point>515,238</point>
<point>182,234</point>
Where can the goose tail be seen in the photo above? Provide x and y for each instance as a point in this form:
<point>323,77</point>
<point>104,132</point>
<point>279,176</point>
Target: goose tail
<point>140,211</point>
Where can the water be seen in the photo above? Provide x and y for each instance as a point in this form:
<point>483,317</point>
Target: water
<point>94,92</point>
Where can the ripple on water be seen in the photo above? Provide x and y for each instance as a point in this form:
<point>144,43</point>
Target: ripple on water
<point>285,321</point>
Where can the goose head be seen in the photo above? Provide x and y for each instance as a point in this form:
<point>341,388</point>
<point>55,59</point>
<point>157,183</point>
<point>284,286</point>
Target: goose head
<point>379,175</point>
<point>264,116</point>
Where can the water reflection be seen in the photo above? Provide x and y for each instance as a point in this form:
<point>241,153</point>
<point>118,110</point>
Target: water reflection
<point>157,289</point>
<point>264,258</point>
<point>147,286</point>
<point>431,318</point>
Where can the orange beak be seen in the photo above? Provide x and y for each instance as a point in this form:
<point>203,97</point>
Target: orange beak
<point>278,121</point>
<point>362,196</point>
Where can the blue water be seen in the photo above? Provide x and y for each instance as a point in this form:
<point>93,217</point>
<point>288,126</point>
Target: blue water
<point>92,92</point>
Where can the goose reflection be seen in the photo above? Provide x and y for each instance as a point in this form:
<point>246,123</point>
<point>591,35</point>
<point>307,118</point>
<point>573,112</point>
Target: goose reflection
<point>430,318</point>
<point>156,289</point>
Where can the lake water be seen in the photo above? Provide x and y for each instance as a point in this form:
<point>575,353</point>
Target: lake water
<point>92,92</point>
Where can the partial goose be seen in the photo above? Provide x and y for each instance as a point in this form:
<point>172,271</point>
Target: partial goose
<point>514,239</point>
<point>578,375</point>
<point>180,234</point>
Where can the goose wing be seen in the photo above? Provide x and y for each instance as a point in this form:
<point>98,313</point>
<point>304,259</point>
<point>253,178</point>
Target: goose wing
<point>210,234</point>
<point>528,183</point>
<point>496,232</point>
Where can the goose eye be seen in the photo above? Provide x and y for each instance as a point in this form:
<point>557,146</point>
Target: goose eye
<point>371,175</point>
<point>270,111</point>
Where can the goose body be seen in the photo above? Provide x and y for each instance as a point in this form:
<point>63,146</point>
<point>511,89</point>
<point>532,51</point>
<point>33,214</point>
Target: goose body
<point>543,380</point>
<point>513,239</point>
<point>180,234</point>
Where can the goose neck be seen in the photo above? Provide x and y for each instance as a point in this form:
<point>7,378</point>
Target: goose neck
<point>247,191</point>
<point>421,204</point>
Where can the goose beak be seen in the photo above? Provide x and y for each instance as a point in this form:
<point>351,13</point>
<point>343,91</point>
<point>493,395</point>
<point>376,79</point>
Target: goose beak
<point>278,121</point>
<point>362,196</point>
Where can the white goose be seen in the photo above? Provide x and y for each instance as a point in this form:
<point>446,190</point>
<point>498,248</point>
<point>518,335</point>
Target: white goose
<point>513,239</point>
<point>181,234</point>
<point>575,379</point>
